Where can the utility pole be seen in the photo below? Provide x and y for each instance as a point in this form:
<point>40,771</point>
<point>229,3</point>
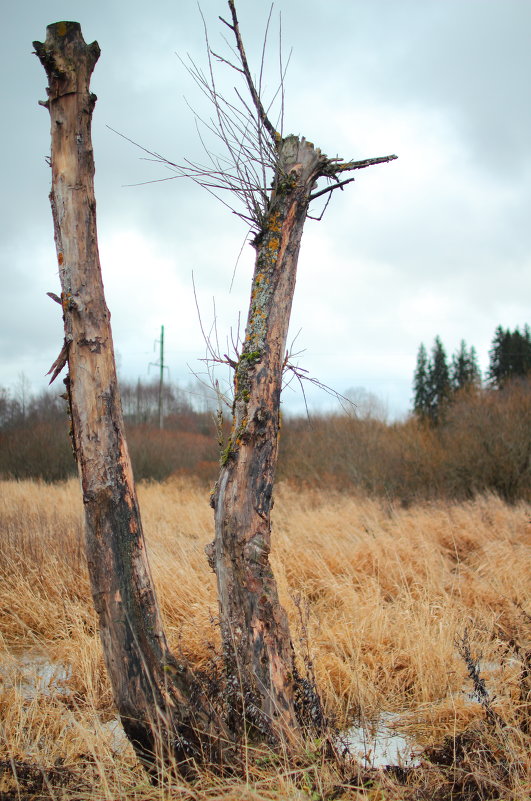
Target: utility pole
<point>162,366</point>
<point>161,379</point>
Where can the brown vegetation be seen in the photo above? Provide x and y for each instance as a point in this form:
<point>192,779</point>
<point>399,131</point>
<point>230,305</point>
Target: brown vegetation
<point>380,594</point>
<point>483,446</point>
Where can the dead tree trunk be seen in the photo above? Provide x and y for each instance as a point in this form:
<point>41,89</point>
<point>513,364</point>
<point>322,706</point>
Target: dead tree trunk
<point>162,707</point>
<point>254,624</point>
<point>258,652</point>
<point>257,645</point>
<point>163,711</point>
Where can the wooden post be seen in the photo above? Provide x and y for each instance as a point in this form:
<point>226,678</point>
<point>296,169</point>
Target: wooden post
<point>152,690</point>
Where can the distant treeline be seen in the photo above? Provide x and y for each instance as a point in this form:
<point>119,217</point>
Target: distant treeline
<point>35,437</point>
<point>481,443</point>
<point>436,381</point>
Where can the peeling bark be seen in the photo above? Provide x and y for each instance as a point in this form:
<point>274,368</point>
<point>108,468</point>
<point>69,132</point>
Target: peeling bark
<point>162,708</point>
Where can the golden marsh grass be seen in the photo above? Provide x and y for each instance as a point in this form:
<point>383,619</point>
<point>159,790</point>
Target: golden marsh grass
<point>383,593</point>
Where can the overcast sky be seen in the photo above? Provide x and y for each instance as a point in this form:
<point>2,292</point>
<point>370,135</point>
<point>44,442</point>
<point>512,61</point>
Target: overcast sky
<point>436,243</point>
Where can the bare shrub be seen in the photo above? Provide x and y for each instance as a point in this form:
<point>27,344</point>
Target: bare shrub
<point>36,449</point>
<point>484,445</point>
<point>487,442</point>
<point>157,454</point>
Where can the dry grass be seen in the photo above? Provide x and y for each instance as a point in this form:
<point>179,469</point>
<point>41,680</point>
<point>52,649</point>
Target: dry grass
<point>385,593</point>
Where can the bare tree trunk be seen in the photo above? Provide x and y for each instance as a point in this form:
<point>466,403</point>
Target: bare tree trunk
<point>258,650</point>
<point>162,710</point>
<point>161,706</point>
<point>264,688</point>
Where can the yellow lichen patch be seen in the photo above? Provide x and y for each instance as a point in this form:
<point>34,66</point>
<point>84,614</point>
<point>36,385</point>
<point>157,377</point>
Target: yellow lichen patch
<point>61,28</point>
<point>274,223</point>
<point>274,244</point>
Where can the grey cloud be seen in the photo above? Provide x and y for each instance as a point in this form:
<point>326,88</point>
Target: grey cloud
<point>461,65</point>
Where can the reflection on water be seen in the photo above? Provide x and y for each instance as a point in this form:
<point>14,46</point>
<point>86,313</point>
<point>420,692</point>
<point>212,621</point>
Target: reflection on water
<point>377,743</point>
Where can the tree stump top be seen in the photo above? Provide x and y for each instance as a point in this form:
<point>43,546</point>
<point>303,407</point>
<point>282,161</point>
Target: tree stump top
<point>67,59</point>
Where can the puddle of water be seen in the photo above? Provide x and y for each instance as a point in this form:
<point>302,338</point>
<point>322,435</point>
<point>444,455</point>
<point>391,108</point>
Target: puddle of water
<point>377,744</point>
<point>33,675</point>
<point>118,738</point>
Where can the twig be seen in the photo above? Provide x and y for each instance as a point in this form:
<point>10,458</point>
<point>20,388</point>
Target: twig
<point>480,688</point>
<point>254,94</point>
<point>301,375</point>
<point>339,185</point>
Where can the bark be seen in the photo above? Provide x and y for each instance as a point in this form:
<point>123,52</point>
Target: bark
<point>162,708</point>
<point>262,683</point>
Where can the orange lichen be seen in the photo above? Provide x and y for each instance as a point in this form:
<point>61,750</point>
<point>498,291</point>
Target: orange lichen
<point>60,258</point>
<point>274,224</point>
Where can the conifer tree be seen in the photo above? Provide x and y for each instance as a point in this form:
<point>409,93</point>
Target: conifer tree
<point>510,355</point>
<point>438,381</point>
<point>421,404</point>
<point>521,352</point>
<point>464,372</point>
<point>498,354</point>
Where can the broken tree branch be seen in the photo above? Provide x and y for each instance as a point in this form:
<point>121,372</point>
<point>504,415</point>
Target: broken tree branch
<point>264,119</point>
<point>333,168</point>
<point>339,185</point>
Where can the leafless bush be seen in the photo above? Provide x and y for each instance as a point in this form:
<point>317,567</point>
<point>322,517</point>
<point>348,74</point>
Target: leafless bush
<point>483,446</point>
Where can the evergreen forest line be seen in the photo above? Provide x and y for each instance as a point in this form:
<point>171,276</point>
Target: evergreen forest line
<point>437,382</point>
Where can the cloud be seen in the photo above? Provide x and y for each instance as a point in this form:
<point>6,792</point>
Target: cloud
<point>437,242</point>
